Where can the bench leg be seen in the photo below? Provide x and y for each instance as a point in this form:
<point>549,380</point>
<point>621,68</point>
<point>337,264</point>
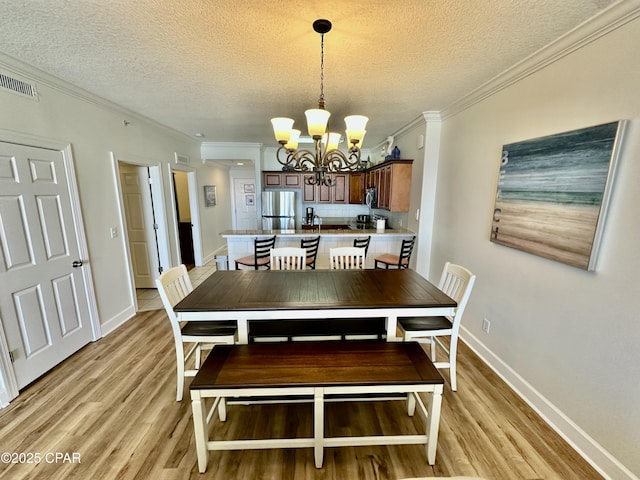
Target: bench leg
<point>318,426</point>
<point>200,429</point>
<point>222,409</point>
<point>411,403</point>
<point>433,423</point>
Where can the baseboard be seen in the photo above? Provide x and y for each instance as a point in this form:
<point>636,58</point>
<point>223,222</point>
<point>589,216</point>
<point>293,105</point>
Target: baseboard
<point>113,323</point>
<point>605,463</point>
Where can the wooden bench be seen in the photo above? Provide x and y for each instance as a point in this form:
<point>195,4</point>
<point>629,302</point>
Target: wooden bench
<point>315,370</point>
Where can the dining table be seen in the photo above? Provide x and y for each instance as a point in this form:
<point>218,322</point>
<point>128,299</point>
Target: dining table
<point>253,295</point>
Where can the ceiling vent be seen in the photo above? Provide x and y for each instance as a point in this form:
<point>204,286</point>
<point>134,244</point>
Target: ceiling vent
<point>18,86</point>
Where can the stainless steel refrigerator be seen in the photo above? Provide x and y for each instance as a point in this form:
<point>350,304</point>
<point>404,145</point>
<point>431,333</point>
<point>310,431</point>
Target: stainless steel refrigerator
<point>278,210</point>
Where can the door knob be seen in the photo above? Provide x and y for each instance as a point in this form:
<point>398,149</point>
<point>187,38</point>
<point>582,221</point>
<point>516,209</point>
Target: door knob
<point>77,264</point>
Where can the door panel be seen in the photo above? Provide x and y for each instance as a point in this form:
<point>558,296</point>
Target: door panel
<point>44,306</point>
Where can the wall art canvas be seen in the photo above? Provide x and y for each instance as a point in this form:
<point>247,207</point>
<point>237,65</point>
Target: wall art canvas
<point>553,193</point>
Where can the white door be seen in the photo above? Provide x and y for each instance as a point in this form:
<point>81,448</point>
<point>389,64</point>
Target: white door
<point>44,304</point>
<point>138,211</point>
<point>244,194</point>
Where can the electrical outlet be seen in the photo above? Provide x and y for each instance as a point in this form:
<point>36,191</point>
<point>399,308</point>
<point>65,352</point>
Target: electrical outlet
<point>486,325</point>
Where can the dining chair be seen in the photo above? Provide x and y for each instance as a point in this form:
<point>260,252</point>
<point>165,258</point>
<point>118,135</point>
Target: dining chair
<point>346,258</point>
<point>261,252</point>
<point>456,282</point>
<point>288,258</point>
<point>311,246</point>
<point>173,285</point>
<point>389,260</point>
<point>362,243</point>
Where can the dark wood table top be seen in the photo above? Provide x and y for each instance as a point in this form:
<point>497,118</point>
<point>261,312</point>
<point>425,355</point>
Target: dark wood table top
<point>313,289</point>
<point>318,364</point>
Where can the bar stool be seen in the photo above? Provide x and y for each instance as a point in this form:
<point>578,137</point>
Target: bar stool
<point>261,253</point>
<point>388,260</point>
<point>362,243</point>
<point>311,245</point>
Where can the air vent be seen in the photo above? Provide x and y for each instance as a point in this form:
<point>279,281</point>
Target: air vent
<point>18,86</point>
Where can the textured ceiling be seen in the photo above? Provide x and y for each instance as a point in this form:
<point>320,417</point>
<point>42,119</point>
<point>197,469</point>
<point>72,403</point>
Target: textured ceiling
<point>225,67</point>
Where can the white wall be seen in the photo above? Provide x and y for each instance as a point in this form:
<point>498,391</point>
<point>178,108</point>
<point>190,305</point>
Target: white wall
<point>559,334</point>
<point>94,129</point>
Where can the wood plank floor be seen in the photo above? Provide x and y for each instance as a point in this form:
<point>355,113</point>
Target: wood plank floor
<point>113,403</point>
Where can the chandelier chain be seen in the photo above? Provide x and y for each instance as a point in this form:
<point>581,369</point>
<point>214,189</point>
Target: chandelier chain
<point>321,99</point>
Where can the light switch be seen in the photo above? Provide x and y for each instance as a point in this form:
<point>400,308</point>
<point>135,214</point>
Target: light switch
<point>114,232</point>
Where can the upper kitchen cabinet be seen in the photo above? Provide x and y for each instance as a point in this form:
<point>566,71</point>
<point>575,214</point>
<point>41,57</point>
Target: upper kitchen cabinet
<point>323,194</point>
<point>281,180</point>
<point>392,181</point>
<point>356,187</point>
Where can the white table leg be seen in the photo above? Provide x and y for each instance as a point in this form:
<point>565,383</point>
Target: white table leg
<point>318,426</point>
<point>243,331</point>
<point>200,429</point>
<point>433,424</point>
<point>392,326</point>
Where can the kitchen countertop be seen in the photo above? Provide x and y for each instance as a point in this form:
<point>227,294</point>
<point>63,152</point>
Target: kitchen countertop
<point>306,233</point>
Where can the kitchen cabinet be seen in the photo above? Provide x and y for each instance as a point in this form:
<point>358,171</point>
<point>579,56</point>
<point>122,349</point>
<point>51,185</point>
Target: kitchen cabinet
<point>281,180</point>
<point>392,181</point>
<point>328,195</point>
<point>356,187</point>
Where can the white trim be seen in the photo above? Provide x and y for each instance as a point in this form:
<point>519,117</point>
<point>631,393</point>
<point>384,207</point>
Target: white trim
<point>158,203</point>
<point>118,320</point>
<point>607,21</point>
<point>192,182</point>
<point>31,73</point>
<point>594,453</point>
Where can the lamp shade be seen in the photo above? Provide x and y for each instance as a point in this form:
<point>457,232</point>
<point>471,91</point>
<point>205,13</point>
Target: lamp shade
<point>356,125</point>
<point>282,128</point>
<point>317,119</point>
<point>292,144</point>
<point>331,143</point>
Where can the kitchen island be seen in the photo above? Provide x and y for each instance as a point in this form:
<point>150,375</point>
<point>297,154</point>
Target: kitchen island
<point>240,242</point>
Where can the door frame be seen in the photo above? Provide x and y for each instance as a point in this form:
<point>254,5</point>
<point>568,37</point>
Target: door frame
<point>158,202</point>
<point>192,184</point>
<point>8,383</point>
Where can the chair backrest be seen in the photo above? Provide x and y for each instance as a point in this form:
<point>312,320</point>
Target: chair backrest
<point>288,258</point>
<point>346,258</point>
<point>173,285</point>
<point>362,243</point>
<point>262,248</point>
<point>311,246</point>
<point>406,249</point>
<point>457,282</point>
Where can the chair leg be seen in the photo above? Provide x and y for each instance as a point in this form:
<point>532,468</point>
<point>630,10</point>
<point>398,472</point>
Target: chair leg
<point>432,341</point>
<point>179,371</point>
<point>452,363</point>
<point>198,357</point>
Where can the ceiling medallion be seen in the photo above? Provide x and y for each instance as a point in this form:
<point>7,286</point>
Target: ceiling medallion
<point>326,157</point>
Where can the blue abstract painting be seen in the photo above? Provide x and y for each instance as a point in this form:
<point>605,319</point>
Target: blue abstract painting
<point>553,191</point>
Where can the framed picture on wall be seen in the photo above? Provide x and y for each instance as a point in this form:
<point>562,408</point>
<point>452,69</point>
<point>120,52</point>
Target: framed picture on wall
<point>251,200</point>
<point>209,195</point>
<point>553,193</point>
<point>249,188</point>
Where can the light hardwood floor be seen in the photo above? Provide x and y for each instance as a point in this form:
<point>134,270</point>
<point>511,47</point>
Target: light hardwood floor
<point>113,403</point>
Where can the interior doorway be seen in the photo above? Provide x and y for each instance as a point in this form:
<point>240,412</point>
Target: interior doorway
<point>184,218</point>
<point>137,202</point>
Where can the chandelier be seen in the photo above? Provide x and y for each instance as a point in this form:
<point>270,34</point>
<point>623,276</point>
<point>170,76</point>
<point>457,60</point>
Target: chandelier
<point>326,158</point>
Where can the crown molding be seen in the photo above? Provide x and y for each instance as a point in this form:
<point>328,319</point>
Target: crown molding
<point>17,67</point>
<point>602,24</point>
